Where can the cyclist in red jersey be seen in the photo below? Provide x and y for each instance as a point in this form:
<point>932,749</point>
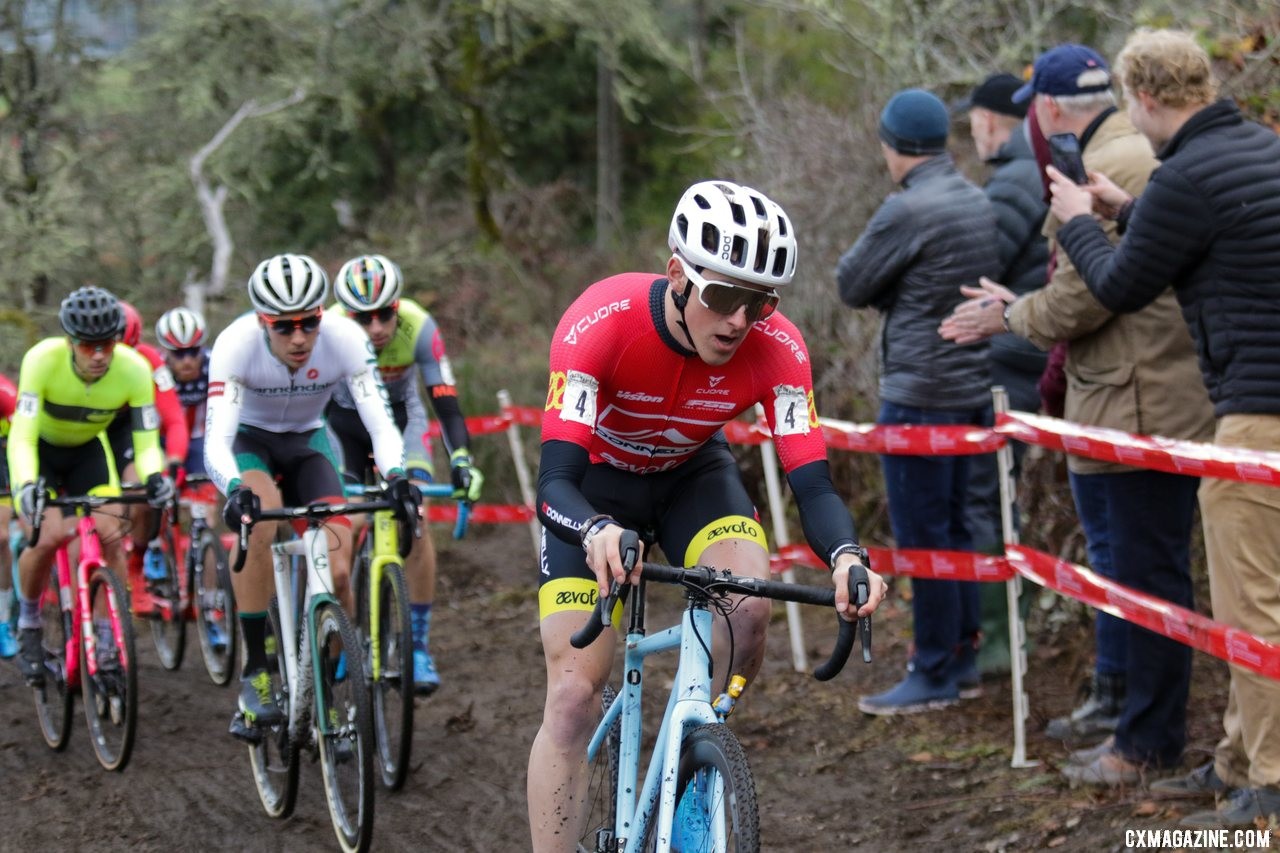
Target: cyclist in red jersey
<point>174,437</point>
<point>8,642</point>
<point>645,372</point>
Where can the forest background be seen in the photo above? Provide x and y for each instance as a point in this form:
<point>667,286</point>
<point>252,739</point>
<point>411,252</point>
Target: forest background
<point>506,153</point>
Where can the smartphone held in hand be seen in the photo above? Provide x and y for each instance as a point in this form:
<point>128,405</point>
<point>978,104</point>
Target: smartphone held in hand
<point>1064,151</point>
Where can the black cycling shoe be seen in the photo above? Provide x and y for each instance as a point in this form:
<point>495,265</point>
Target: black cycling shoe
<point>31,656</point>
<point>257,699</point>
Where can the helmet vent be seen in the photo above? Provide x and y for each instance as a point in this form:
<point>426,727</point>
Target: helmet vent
<point>739,215</point>
<point>702,202</point>
<point>710,238</point>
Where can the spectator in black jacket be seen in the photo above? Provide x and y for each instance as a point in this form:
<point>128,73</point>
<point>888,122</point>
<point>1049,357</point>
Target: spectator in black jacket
<point>1000,134</point>
<point>918,248</point>
<point>1208,224</point>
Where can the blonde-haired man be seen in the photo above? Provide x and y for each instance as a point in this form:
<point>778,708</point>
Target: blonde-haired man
<point>1208,224</point>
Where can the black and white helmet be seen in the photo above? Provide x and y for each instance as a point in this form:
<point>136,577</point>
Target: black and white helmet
<point>180,328</point>
<point>287,284</point>
<point>91,314</point>
<point>736,231</point>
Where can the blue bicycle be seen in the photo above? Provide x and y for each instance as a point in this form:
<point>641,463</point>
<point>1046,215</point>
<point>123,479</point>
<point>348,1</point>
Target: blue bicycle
<point>698,792</point>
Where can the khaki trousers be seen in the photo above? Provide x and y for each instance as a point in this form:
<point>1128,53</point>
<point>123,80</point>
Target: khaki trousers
<point>1242,543</point>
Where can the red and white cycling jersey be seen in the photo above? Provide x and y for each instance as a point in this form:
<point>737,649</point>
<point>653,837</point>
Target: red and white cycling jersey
<point>620,388</point>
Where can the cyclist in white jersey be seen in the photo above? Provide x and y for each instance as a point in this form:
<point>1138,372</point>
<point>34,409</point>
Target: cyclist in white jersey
<point>271,374</point>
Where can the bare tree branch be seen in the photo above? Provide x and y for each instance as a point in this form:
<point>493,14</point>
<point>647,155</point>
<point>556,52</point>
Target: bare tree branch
<point>212,199</point>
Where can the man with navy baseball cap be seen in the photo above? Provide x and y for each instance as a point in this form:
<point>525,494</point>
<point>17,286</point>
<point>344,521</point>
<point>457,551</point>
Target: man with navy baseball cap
<point>1068,69</point>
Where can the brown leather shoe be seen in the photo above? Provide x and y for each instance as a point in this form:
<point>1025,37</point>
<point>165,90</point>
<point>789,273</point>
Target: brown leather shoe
<point>1110,769</point>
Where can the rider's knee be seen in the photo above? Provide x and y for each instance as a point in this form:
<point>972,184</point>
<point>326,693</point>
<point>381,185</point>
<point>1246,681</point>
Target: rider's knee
<point>573,708</point>
<point>751,619</point>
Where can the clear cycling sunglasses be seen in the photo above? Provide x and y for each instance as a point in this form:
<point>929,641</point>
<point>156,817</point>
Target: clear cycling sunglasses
<point>725,298</point>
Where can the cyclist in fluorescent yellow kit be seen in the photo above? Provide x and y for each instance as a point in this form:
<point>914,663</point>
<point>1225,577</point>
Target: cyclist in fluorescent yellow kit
<point>405,337</point>
<point>69,390</point>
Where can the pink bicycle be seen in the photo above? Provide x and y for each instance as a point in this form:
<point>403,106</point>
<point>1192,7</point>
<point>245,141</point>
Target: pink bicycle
<point>97,658</point>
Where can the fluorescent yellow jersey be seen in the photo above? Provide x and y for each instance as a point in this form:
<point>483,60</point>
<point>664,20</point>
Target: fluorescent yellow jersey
<point>57,406</point>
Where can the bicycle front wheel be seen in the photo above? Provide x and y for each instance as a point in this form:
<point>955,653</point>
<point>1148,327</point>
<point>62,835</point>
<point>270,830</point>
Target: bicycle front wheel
<point>215,607</point>
<point>391,678</point>
<point>275,758</point>
<point>715,796</point>
<point>168,622</point>
<point>54,699</point>
<point>111,694</point>
<point>602,789</point>
<point>344,727</point>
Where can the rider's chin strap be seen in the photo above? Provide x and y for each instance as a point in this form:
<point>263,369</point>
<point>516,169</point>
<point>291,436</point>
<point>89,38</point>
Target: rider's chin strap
<point>681,300</point>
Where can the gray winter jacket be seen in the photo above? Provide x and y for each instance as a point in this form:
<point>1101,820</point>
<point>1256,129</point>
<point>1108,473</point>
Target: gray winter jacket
<point>917,250</point>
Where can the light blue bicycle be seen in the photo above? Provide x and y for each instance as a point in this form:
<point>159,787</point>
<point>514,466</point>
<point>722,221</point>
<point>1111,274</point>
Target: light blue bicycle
<point>698,793</point>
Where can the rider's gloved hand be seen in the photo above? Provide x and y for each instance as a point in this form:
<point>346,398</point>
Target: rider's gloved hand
<point>159,490</point>
<point>241,502</point>
<point>177,473</point>
<point>26,503</point>
<point>467,479</point>
<point>404,495</point>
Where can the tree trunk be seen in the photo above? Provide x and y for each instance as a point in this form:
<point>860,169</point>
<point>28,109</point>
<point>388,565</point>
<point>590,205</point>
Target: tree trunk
<point>608,155</point>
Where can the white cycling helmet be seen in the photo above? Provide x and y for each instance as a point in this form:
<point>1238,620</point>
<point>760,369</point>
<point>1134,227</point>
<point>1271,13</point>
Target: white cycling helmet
<point>368,283</point>
<point>287,284</point>
<point>736,231</point>
<point>180,328</point>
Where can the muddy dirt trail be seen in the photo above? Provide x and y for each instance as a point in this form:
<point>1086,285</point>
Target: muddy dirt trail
<point>828,778</point>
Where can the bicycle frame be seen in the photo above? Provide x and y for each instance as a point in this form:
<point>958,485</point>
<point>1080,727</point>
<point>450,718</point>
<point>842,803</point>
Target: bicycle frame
<point>77,610</point>
<point>313,547</point>
<point>688,706</point>
<point>386,550</point>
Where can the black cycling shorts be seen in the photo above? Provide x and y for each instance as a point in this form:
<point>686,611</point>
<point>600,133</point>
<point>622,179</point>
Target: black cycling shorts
<point>353,438</point>
<point>683,510</point>
<point>84,469</point>
<point>303,463</point>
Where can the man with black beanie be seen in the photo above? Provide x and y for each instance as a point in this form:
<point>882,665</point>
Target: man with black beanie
<point>909,263</point>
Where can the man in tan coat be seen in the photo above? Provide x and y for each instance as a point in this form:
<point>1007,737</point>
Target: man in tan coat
<point>1135,372</point>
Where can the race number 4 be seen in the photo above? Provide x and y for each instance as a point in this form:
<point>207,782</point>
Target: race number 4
<point>790,411</point>
<point>580,394</point>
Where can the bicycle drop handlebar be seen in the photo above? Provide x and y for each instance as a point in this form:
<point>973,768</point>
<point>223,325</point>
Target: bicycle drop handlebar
<point>708,579</point>
<point>88,502</point>
<point>313,513</point>
<point>428,490</point>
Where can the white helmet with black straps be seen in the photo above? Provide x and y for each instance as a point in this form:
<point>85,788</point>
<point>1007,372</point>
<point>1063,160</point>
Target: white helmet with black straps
<point>287,284</point>
<point>180,328</point>
<point>368,283</point>
<point>736,231</point>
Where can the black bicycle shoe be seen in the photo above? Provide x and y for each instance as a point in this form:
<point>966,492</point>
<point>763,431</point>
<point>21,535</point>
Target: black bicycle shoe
<point>31,656</point>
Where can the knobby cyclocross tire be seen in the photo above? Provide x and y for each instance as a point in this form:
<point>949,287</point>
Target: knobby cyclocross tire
<point>55,702</point>
<point>345,735</point>
<point>711,757</point>
<point>602,788</point>
<point>111,696</point>
<point>392,685</point>
<point>214,604</point>
<point>275,759</point>
<point>168,622</point>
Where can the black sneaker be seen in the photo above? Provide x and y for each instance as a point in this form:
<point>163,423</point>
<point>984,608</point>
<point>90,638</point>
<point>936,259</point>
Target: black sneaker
<point>31,656</point>
<point>257,699</point>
